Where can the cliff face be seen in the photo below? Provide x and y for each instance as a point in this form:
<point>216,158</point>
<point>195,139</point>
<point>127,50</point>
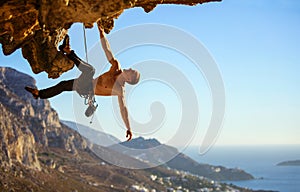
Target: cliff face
<point>38,26</point>
<point>26,123</point>
<point>17,142</point>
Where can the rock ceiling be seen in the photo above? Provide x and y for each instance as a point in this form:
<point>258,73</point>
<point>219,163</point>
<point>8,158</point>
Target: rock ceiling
<point>37,26</point>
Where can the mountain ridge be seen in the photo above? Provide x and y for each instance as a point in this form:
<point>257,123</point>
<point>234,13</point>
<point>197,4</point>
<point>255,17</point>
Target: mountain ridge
<point>93,135</point>
<point>38,153</point>
<point>179,161</point>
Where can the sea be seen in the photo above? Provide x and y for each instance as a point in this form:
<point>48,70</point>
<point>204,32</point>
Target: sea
<point>259,161</point>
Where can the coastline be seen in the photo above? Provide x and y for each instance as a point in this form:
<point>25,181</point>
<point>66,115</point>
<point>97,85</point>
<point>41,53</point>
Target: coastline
<point>260,161</point>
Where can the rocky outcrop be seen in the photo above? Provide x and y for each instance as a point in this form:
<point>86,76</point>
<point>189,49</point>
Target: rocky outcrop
<point>17,142</point>
<point>26,123</point>
<point>38,26</point>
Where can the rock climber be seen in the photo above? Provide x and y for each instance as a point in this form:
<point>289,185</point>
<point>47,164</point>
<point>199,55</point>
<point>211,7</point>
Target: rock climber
<point>110,83</point>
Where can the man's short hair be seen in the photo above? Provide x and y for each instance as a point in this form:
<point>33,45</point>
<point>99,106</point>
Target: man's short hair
<point>135,77</point>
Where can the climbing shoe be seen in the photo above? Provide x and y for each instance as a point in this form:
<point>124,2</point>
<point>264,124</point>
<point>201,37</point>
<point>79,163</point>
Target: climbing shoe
<point>33,91</point>
<point>66,43</point>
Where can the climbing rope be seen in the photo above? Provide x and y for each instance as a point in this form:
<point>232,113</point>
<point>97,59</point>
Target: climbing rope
<point>88,99</point>
<point>85,45</point>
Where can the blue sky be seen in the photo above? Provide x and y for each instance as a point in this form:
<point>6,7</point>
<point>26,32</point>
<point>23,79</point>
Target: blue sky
<point>256,45</point>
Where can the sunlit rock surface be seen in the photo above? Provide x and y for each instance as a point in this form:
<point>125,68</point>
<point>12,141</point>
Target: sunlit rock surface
<point>26,123</point>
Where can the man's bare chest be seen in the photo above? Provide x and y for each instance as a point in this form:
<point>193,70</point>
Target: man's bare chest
<point>106,85</point>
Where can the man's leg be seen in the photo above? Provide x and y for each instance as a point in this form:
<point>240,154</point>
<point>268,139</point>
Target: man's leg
<point>82,66</point>
<point>56,89</point>
<point>84,84</point>
<point>51,91</point>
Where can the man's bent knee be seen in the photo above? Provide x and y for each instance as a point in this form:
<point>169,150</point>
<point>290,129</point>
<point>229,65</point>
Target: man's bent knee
<point>92,72</point>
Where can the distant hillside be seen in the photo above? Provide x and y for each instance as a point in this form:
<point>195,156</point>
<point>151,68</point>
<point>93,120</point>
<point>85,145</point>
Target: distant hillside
<point>94,136</point>
<point>179,162</point>
<point>289,163</point>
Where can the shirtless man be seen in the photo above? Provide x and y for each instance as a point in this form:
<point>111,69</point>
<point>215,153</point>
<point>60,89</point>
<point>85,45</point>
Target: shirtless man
<point>111,83</point>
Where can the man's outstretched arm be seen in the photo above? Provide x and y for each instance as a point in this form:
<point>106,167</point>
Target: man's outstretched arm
<point>124,113</point>
<point>106,47</point>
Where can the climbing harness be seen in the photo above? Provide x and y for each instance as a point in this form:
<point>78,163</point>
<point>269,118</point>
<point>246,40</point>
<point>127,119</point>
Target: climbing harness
<point>92,106</point>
